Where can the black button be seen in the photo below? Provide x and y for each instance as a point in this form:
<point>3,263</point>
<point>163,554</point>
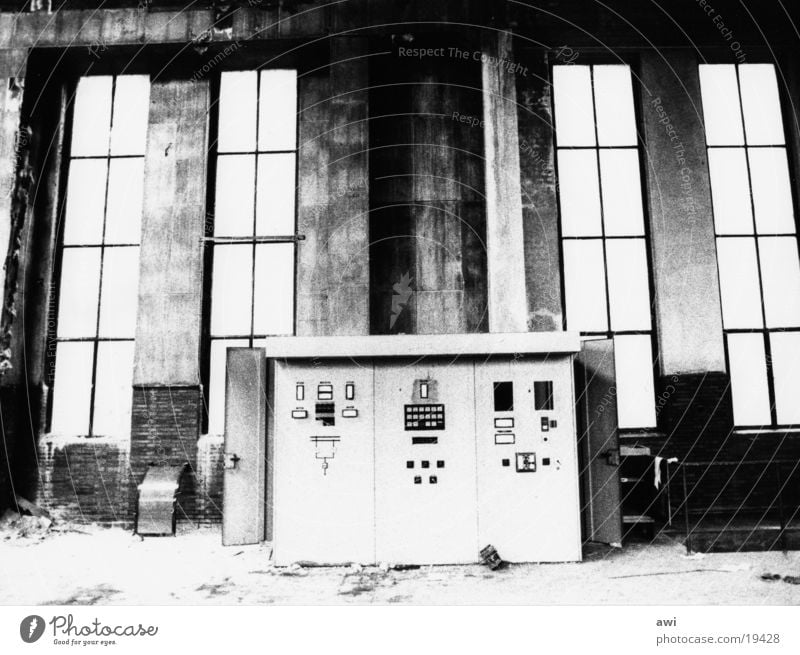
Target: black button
<point>409,464</point>
<point>432,479</point>
<point>440,464</point>
<point>545,461</point>
<point>417,479</point>
<point>426,464</point>
<point>506,462</point>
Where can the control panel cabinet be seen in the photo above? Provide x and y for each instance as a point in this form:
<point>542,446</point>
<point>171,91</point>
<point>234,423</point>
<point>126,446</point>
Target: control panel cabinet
<point>424,461</point>
<point>323,463</point>
<point>528,498</point>
<point>425,497</point>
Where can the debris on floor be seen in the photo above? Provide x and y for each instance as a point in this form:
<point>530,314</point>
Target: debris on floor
<point>491,557</point>
<point>19,526</point>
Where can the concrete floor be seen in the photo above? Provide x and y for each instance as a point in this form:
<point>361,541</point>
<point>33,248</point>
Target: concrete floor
<point>90,565</point>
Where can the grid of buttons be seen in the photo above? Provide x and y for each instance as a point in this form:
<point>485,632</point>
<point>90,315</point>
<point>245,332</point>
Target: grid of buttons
<point>424,417</point>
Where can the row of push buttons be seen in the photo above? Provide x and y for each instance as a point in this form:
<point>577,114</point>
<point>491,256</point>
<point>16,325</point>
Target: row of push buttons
<point>325,391</point>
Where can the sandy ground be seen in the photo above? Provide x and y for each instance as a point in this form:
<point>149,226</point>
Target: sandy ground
<point>90,565</point>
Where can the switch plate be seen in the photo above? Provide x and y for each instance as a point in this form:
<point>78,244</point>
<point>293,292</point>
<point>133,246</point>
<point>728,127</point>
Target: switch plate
<point>349,413</point>
<point>299,413</point>
<point>349,391</point>
<point>507,422</point>
<point>504,438</point>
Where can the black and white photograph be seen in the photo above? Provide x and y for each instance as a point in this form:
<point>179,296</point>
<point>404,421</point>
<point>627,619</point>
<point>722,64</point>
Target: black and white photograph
<point>400,325</point>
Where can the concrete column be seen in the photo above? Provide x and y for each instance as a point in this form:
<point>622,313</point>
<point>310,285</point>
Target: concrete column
<point>687,300</point>
<point>504,233</point>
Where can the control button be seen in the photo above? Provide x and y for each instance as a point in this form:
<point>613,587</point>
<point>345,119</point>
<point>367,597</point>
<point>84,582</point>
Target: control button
<point>409,464</point>
<point>325,392</point>
<point>504,438</point>
<point>433,479</point>
<point>545,461</point>
<point>553,423</point>
<point>426,464</point>
<point>504,422</point>
<point>300,391</point>
<point>440,464</point>
<point>299,413</point>
<point>545,424</point>
<point>417,479</point>
<point>506,462</point>
<point>349,413</point>
<point>349,391</point>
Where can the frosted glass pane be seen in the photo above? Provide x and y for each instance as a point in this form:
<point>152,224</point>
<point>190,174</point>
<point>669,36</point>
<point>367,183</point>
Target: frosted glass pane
<point>216,382</point>
<point>772,193</point>
<point>633,360</point>
<point>131,111</point>
<point>785,351</point>
<point>628,285</point>
<point>613,98</point>
<point>86,200</point>
<point>72,388</point>
<point>274,289</point>
<point>572,96</point>
<point>730,191</point>
<point>761,105</point>
<point>235,195</point>
<point>237,111</point>
<point>739,285</point>
<point>120,292</point>
<point>722,115</point>
<point>579,193</point>
<point>231,290</point>
<point>622,192</point>
<point>748,371</point>
<point>585,282</point>
<point>78,294</point>
<point>91,121</point>
<point>780,279</point>
<point>113,389</point>
<point>277,122</point>
<point>125,196</point>
<point>276,194</point>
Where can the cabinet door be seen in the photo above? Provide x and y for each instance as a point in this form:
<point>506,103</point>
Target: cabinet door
<point>595,381</point>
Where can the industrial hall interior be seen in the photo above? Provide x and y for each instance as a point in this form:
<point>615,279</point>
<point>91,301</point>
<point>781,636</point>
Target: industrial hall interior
<point>423,282</point>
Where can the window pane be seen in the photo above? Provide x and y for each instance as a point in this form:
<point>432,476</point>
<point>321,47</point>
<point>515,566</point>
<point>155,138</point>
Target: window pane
<point>721,109</point>
<point>86,200</point>
<point>772,194</point>
<point>274,289</point>
<point>622,192</point>
<point>91,122</point>
<point>572,96</point>
<point>633,360</point>
<point>584,279</point>
<point>113,389</point>
<point>237,112</point>
<point>276,194</point>
<point>780,278</point>
<point>231,290</point>
<point>277,122</point>
<point>72,388</point>
<point>579,193</point>
<point>785,356</point>
<point>125,196</point>
<point>216,383</point>
<point>235,195</point>
<point>613,97</point>
<point>120,292</point>
<point>748,379</point>
<point>131,109</point>
<point>628,285</point>
<point>761,104</point>
<point>78,293</point>
<point>730,191</point>
<point>738,280</point>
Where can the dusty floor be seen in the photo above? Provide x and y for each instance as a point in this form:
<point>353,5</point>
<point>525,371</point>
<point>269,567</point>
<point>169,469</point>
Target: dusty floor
<point>90,565</point>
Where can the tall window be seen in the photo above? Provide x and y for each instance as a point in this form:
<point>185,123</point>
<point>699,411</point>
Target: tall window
<point>252,289</point>
<point>602,226</point>
<point>757,254</point>
<point>99,257</point>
